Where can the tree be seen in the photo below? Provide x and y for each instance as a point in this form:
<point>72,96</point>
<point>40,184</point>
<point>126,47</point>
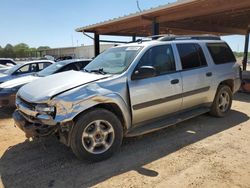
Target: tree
<point>41,48</point>
<point>21,50</point>
<point>8,51</point>
<point>1,51</point>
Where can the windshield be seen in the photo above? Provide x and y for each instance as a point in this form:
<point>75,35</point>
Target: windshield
<point>52,68</point>
<point>13,69</point>
<point>114,60</point>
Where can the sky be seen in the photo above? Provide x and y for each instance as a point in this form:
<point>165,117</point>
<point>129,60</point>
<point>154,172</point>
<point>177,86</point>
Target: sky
<point>53,22</point>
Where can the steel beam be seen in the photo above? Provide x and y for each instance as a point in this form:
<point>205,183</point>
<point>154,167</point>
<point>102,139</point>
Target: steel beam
<point>244,63</point>
<point>155,28</point>
<point>133,38</point>
<point>97,44</point>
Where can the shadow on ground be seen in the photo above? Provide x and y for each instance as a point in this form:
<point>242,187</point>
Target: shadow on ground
<point>6,113</point>
<point>47,163</point>
<point>242,97</point>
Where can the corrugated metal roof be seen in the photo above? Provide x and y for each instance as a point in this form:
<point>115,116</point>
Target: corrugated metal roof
<point>125,17</point>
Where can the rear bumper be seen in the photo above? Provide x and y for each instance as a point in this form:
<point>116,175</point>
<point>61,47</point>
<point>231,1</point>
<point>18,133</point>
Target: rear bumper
<point>7,100</point>
<point>32,129</point>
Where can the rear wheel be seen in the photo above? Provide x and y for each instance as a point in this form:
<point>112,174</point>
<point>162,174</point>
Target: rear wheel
<point>222,101</point>
<point>96,135</point>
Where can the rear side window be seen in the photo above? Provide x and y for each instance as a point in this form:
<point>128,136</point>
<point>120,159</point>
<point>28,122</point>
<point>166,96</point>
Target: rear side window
<point>68,68</point>
<point>221,53</point>
<point>191,56</point>
<point>43,65</point>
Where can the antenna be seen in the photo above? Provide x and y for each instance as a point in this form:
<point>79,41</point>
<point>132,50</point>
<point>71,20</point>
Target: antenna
<point>138,6</point>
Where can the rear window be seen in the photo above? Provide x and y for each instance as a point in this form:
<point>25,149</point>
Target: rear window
<point>221,53</point>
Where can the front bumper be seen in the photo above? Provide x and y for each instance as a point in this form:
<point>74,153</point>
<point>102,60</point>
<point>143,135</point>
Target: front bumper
<point>32,129</point>
<point>7,100</point>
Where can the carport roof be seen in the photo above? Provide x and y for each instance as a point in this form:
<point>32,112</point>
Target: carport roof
<point>221,17</point>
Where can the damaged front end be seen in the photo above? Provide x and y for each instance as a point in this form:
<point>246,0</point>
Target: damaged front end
<point>34,119</point>
<point>32,129</point>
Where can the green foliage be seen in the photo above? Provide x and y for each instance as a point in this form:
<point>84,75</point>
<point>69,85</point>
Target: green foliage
<point>240,54</point>
<point>43,48</point>
<point>21,50</point>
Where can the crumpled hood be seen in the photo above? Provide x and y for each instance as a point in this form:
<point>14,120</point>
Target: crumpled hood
<point>18,81</point>
<point>43,89</point>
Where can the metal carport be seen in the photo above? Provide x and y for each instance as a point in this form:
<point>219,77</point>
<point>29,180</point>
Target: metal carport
<point>220,17</point>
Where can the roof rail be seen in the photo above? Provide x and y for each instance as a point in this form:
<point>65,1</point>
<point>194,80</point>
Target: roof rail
<point>189,37</point>
<point>155,37</point>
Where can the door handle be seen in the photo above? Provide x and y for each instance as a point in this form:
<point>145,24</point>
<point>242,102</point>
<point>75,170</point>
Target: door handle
<point>209,74</point>
<point>175,81</point>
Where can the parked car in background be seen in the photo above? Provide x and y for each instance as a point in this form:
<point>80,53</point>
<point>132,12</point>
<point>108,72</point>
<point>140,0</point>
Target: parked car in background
<point>130,90</point>
<point>64,58</point>
<point>9,88</point>
<point>4,68</point>
<point>24,69</point>
<point>7,62</point>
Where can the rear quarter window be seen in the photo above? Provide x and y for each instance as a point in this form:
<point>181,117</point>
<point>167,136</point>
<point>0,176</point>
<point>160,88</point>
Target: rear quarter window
<point>221,53</point>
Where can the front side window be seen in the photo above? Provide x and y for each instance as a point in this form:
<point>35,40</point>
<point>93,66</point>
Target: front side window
<point>191,56</point>
<point>114,60</point>
<point>24,69</point>
<point>28,69</point>
<point>159,57</point>
<point>221,53</point>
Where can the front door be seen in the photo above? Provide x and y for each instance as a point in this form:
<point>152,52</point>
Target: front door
<point>159,95</point>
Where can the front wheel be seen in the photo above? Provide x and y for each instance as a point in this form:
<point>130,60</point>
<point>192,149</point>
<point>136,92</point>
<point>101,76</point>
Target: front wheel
<point>222,101</point>
<point>96,135</point>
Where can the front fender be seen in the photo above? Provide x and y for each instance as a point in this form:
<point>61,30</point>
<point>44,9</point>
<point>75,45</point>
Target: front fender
<point>69,110</point>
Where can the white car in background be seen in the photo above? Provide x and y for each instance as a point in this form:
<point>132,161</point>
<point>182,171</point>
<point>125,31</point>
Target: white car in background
<point>4,68</point>
<point>24,69</point>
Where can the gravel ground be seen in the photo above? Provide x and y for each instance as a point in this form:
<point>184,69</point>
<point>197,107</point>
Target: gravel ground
<point>201,152</point>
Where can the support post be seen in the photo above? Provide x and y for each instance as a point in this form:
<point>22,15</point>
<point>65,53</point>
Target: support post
<point>134,38</point>
<point>244,62</point>
<point>97,44</point>
<point>155,28</point>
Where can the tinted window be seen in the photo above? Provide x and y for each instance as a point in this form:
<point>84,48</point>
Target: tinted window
<point>81,64</point>
<point>68,67</point>
<point>7,62</point>
<point>221,53</point>
<point>191,56</point>
<point>160,57</point>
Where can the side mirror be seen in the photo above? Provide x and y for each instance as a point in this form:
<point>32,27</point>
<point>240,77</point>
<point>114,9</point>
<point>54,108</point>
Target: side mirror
<point>144,72</point>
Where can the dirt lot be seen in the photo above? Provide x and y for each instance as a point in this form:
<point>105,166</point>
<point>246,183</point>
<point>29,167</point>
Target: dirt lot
<point>202,152</point>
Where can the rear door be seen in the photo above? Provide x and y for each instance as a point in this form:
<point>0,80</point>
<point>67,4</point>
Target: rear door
<point>160,95</point>
<point>196,75</point>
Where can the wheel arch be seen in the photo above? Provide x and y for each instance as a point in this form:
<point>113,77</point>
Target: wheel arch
<point>228,82</point>
<point>112,107</point>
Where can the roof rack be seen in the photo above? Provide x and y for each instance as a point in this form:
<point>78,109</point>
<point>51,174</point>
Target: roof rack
<point>188,37</point>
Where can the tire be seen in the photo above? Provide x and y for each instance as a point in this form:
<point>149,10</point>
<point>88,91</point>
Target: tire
<point>96,135</point>
<point>222,102</point>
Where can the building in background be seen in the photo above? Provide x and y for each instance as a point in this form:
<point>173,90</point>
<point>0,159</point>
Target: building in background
<point>75,52</point>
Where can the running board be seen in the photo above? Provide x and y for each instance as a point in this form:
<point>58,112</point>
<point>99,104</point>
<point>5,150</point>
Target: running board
<point>165,122</point>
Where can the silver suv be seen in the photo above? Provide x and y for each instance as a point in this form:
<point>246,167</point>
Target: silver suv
<point>130,90</point>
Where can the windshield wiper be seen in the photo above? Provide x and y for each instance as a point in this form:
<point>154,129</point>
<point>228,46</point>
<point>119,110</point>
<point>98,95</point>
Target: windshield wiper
<point>100,71</point>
